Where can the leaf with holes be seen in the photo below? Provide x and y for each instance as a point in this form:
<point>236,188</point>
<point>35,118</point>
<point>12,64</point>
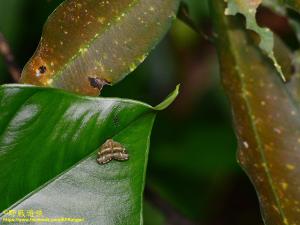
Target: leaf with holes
<point>267,120</point>
<point>49,141</point>
<point>249,8</point>
<point>102,40</point>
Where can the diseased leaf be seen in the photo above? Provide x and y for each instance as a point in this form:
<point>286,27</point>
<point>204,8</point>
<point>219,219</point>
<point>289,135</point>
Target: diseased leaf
<point>99,39</point>
<point>48,145</point>
<point>267,120</point>
<point>248,8</point>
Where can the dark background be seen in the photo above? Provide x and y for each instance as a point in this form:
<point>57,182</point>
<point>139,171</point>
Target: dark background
<point>192,170</point>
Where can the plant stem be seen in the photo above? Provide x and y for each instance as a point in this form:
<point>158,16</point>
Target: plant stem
<point>9,59</point>
<point>184,16</point>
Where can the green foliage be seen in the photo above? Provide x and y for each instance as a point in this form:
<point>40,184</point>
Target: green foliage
<point>50,167</point>
<point>266,120</point>
<point>193,166</point>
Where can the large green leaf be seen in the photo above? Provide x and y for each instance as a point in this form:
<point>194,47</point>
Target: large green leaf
<point>267,120</point>
<point>48,145</point>
<point>100,39</point>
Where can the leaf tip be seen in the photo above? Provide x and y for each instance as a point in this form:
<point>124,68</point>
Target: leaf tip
<point>169,100</point>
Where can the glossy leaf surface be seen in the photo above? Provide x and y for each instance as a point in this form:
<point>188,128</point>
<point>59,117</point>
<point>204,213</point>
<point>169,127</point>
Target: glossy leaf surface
<point>48,145</point>
<point>267,120</point>
<point>99,39</point>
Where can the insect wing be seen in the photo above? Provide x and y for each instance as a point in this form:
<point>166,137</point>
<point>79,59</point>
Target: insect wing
<point>112,150</point>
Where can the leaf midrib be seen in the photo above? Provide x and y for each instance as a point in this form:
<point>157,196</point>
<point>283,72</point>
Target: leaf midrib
<point>113,22</point>
<point>80,161</point>
<point>255,132</point>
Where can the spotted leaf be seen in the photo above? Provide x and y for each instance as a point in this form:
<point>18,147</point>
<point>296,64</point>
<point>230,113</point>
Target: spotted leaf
<point>102,39</point>
<point>267,120</point>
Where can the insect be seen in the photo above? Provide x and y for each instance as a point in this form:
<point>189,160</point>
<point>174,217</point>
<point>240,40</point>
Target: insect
<point>112,150</point>
<point>97,83</point>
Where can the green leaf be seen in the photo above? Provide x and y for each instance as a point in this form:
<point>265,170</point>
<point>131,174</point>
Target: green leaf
<point>266,120</point>
<point>169,100</point>
<point>99,39</point>
<point>248,8</point>
<point>48,145</point>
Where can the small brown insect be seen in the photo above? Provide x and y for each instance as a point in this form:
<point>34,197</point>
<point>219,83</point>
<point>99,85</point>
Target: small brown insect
<point>112,150</point>
<point>97,82</point>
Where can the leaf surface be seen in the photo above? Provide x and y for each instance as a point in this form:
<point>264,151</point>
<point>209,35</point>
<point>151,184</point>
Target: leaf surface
<point>49,141</point>
<point>267,120</point>
<point>99,39</point>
